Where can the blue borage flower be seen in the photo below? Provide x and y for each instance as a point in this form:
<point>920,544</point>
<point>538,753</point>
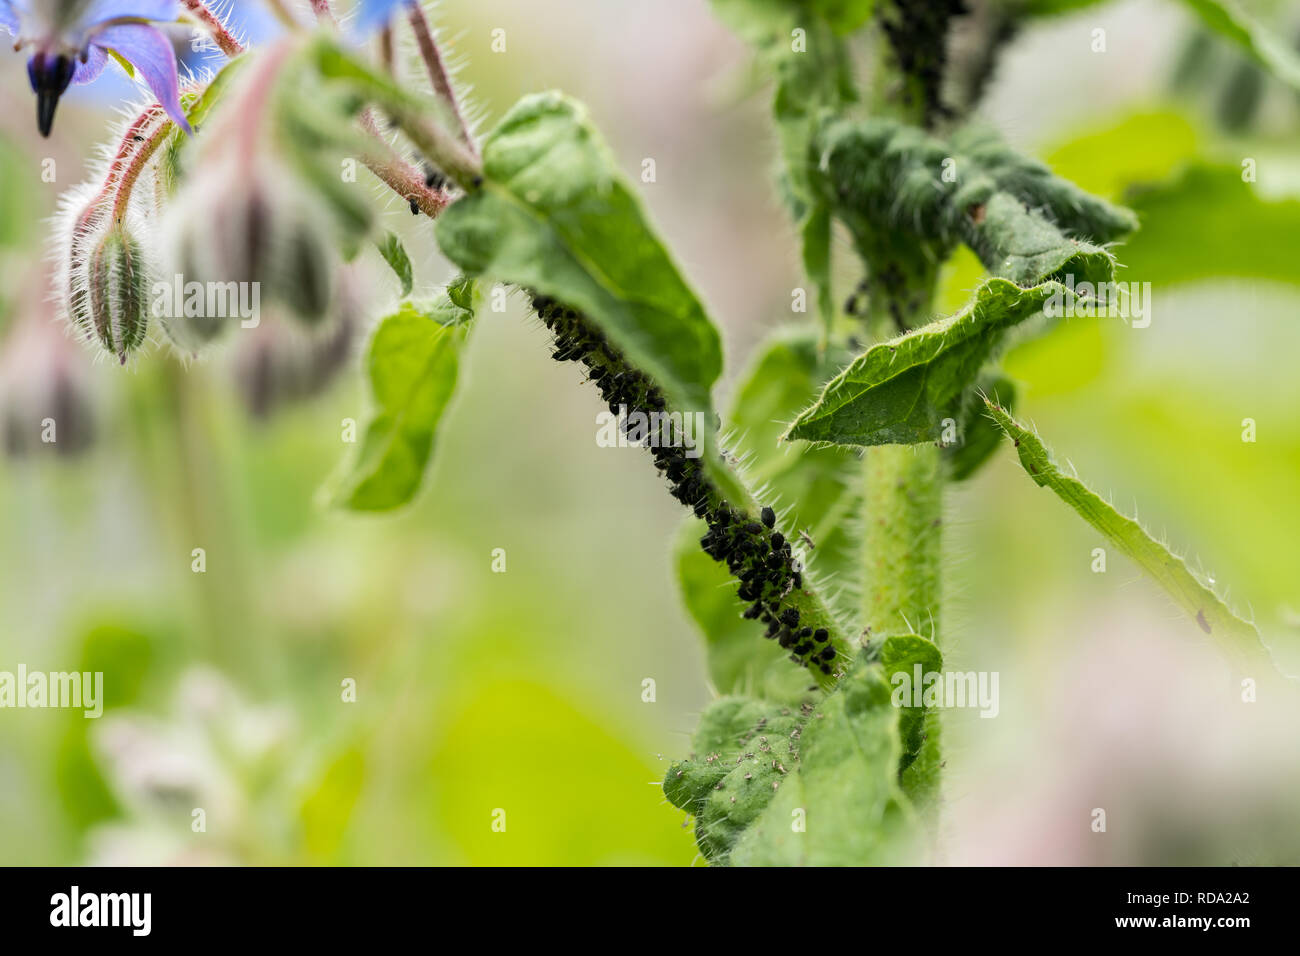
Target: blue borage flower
<point>72,40</point>
<point>372,14</point>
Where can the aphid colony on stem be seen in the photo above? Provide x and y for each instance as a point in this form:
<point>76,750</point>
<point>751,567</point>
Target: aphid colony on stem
<point>758,555</point>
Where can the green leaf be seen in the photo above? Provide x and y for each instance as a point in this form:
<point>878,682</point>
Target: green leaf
<point>742,752</point>
<point>980,436</point>
<point>845,791</point>
<point>554,215</point>
<point>900,392</point>
<point>1193,224</point>
<point>915,656</point>
<point>394,253</point>
<point>458,303</point>
<point>1238,639</point>
<point>1263,44</point>
<point>908,198</point>
<point>412,365</point>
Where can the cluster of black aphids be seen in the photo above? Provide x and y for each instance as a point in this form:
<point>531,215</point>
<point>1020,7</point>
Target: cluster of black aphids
<point>756,553</point>
<point>762,559</point>
<point>918,35</point>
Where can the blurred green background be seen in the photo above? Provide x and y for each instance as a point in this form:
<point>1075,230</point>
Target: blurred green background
<point>523,691</point>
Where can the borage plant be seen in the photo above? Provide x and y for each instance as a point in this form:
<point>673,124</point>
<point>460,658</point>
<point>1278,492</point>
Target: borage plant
<point>811,559</point>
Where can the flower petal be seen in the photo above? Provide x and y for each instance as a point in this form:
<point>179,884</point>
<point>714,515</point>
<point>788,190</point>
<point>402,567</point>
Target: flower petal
<point>372,14</point>
<point>87,72</point>
<point>101,11</point>
<point>11,16</point>
<point>151,53</point>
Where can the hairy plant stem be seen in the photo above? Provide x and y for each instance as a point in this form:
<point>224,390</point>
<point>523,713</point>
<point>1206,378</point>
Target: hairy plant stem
<point>904,499</point>
<point>223,37</point>
<point>399,175</point>
<point>441,148</point>
<point>437,69</point>
<point>901,588</point>
<point>321,8</point>
<point>456,159</point>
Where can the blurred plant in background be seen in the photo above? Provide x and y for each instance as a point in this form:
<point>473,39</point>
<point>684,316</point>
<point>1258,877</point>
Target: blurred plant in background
<point>471,682</point>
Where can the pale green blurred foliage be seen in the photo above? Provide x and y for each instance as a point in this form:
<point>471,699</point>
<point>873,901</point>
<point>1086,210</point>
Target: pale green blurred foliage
<point>522,691</point>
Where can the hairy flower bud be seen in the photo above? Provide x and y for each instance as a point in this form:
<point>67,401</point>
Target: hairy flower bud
<point>45,405</point>
<point>118,293</point>
<point>103,275</point>
<point>255,227</point>
<point>308,273</point>
<point>279,365</point>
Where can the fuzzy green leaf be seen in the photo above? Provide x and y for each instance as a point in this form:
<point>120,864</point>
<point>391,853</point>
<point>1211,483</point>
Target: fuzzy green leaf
<point>900,392</point>
<point>1238,639</point>
<point>742,748</point>
<point>1261,43</point>
<point>412,364</point>
<point>845,792</point>
<point>908,198</point>
<point>555,215</point>
<point>394,253</point>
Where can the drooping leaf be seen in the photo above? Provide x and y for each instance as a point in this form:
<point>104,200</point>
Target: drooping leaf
<point>554,215</point>
<point>394,253</point>
<point>908,198</point>
<point>1262,43</point>
<point>1193,224</point>
<point>1074,211</point>
<point>1238,639</point>
<point>900,392</point>
<point>412,365</point>
<point>843,805</point>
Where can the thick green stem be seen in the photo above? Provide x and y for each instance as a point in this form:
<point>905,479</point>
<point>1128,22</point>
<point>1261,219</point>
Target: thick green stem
<point>901,591</point>
<point>904,500</point>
